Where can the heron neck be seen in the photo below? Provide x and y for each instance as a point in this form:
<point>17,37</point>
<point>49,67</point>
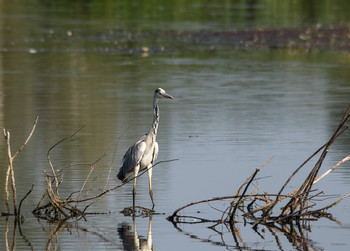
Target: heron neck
<point>154,128</point>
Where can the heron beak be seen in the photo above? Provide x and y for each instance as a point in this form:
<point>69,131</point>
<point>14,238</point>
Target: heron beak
<point>166,95</point>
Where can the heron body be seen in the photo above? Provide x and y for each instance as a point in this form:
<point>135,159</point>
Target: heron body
<point>142,154</point>
<point>139,156</point>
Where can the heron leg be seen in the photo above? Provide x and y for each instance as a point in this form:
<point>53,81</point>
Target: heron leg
<point>149,172</point>
<point>136,172</point>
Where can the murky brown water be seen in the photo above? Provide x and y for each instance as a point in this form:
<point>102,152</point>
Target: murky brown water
<point>233,110</point>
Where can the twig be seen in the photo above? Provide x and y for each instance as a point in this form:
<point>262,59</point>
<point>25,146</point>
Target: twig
<point>120,185</point>
<point>333,204</point>
<point>7,189</point>
<point>111,165</point>
<point>52,147</point>
<point>12,172</point>
<point>28,138</point>
<point>92,166</point>
<point>171,217</point>
<point>332,169</point>
<point>25,196</point>
<point>232,214</point>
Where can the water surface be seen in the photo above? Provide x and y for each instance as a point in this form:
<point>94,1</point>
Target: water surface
<point>84,63</point>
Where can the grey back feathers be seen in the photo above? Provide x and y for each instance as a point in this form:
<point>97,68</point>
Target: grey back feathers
<point>131,158</point>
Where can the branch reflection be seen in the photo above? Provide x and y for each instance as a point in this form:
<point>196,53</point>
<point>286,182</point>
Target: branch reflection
<point>284,237</point>
<point>16,225</point>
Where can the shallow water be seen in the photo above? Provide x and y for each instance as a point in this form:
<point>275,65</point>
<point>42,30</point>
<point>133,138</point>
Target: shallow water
<point>233,110</point>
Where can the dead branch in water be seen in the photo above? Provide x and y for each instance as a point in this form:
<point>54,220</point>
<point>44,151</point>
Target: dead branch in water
<point>75,204</point>
<point>11,171</point>
<point>297,208</point>
<point>301,197</point>
<point>49,158</point>
<point>58,208</point>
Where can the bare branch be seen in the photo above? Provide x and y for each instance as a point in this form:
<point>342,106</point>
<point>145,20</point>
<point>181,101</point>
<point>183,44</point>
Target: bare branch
<point>92,166</point>
<point>248,180</point>
<point>332,169</point>
<point>111,165</point>
<point>12,172</point>
<point>121,184</point>
<point>25,196</point>
<point>27,140</point>
<point>52,147</point>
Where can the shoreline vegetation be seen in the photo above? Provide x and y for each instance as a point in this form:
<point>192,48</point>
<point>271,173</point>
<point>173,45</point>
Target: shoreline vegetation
<point>148,42</point>
<point>316,37</point>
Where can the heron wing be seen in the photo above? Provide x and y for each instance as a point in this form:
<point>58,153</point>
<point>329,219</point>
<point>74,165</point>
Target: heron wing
<point>132,158</point>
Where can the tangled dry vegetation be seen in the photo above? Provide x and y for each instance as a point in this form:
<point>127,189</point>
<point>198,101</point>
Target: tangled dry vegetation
<point>281,211</point>
<point>76,204</point>
<point>52,206</point>
<point>278,212</point>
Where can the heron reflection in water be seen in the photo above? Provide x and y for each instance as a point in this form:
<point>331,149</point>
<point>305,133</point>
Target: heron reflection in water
<point>131,240</point>
<point>142,154</point>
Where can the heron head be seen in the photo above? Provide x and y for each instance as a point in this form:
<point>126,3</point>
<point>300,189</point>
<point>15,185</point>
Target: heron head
<point>160,93</point>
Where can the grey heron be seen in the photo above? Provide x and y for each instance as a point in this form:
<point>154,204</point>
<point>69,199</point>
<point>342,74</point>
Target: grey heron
<point>142,154</point>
